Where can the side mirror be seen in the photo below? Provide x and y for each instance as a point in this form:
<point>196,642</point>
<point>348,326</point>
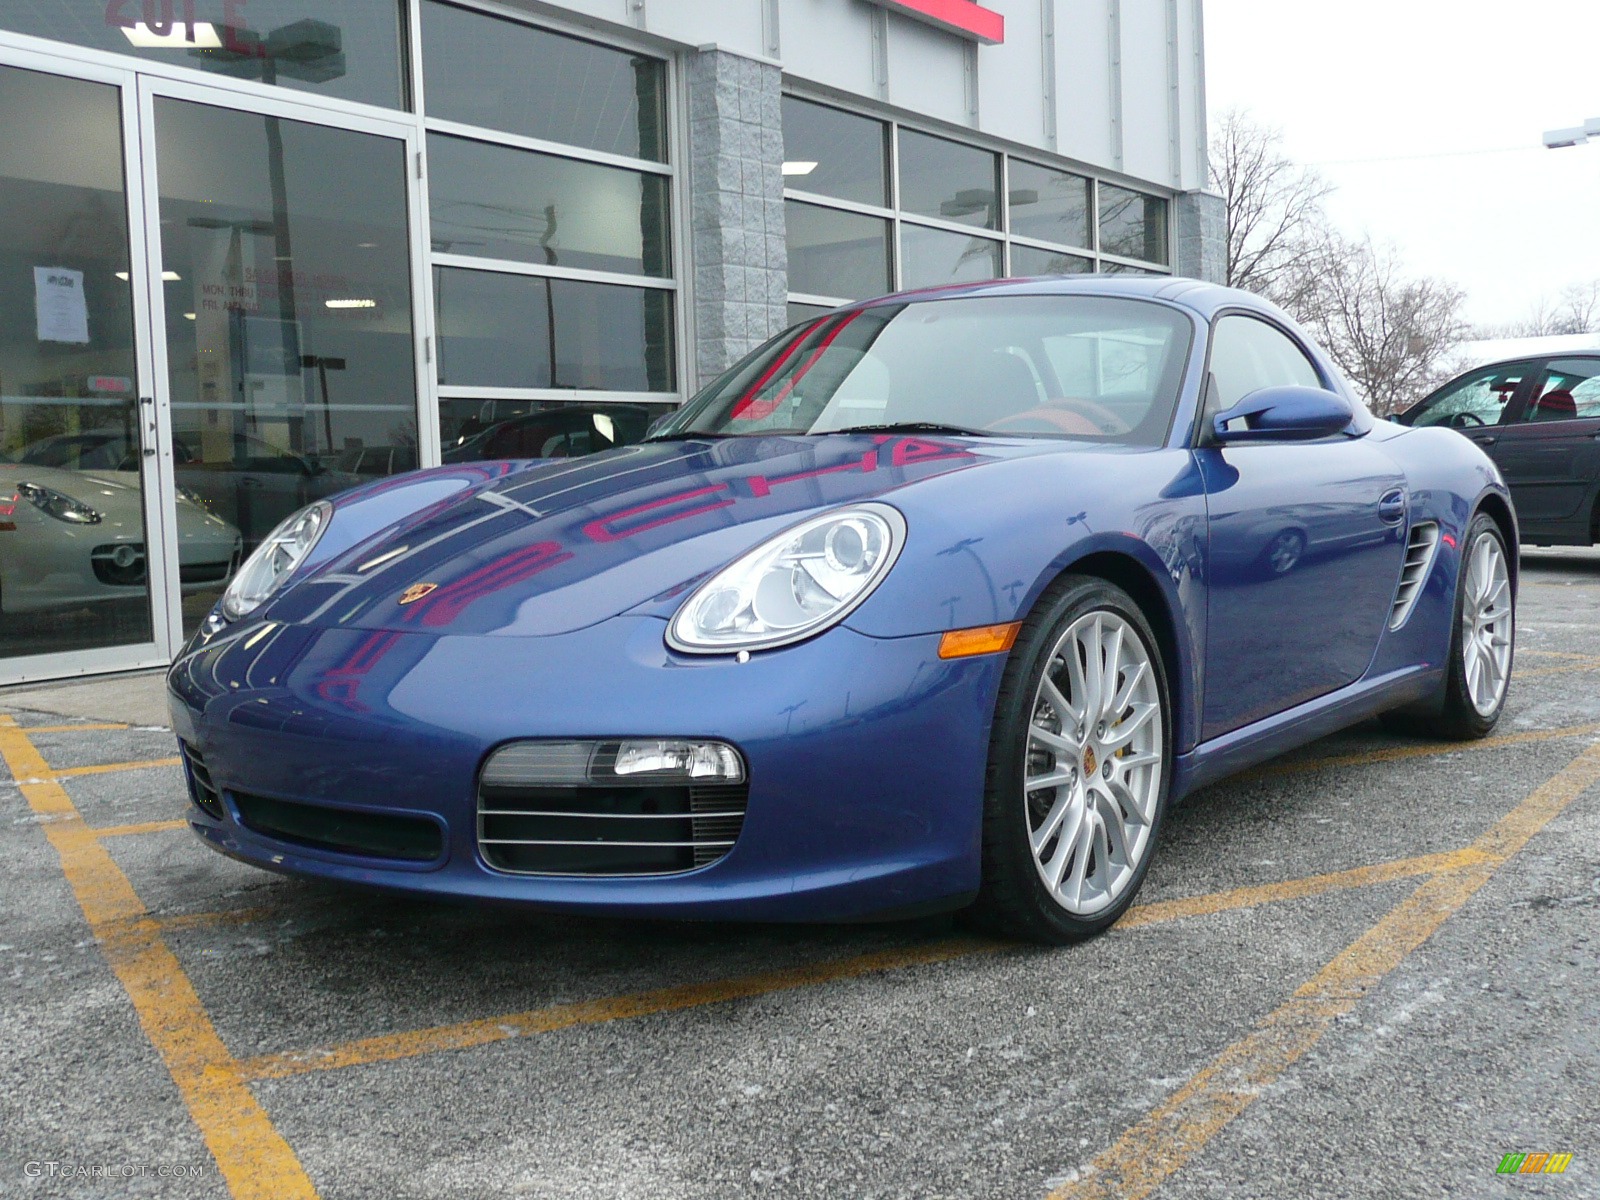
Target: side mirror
<point>1283,414</point>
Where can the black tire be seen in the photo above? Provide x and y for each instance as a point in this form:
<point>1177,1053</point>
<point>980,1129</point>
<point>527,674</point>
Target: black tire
<point>1455,717</point>
<point>1013,899</point>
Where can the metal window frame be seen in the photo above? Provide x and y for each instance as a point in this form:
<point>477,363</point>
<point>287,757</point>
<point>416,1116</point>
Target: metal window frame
<point>673,118</point>
<point>157,490</point>
<point>894,121</point>
<point>141,79</point>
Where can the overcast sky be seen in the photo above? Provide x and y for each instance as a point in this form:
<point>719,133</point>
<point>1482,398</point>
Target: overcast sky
<point>1428,117</point>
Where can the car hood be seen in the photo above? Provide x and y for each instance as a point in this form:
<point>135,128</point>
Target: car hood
<point>548,547</point>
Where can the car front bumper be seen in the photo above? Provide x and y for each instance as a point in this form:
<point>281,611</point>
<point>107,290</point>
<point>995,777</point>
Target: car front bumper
<point>866,756</point>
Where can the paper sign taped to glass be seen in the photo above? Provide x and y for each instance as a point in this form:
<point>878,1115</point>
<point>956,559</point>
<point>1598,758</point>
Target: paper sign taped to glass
<point>60,306</point>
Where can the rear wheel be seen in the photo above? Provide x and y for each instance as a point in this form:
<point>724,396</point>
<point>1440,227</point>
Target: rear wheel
<point>1079,766</point>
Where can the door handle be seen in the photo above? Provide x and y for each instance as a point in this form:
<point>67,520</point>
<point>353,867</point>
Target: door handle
<point>1392,508</point>
<point>1488,440</point>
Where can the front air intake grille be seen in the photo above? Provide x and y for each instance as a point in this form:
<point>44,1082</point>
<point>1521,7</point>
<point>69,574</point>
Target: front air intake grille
<point>1420,549</point>
<point>343,830</point>
<point>197,573</point>
<point>559,809</point>
<point>202,790</point>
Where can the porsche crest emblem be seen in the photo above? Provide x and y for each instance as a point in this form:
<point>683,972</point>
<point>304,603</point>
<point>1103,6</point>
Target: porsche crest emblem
<point>417,591</point>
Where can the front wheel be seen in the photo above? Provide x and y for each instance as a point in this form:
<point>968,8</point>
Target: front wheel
<point>1079,766</point>
<point>1482,639</point>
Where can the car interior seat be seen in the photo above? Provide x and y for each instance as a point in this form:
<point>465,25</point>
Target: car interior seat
<point>974,390</point>
<point>1559,405</point>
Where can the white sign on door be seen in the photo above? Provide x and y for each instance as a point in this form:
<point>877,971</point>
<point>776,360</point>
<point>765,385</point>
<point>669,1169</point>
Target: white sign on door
<point>60,306</point>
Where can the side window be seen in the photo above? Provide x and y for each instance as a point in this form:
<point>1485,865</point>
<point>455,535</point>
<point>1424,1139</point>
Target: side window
<point>1247,355</point>
<point>1568,390</point>
<point>1479,398</point>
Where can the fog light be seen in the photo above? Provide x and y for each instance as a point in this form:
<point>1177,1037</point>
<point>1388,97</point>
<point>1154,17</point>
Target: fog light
<point>639,762</point>
<point>679,760</point>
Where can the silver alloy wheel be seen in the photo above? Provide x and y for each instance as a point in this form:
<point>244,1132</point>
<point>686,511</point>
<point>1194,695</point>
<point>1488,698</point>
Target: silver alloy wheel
<point>1093,766</point>
<point>1286,550</point>
<point>1486,624</point>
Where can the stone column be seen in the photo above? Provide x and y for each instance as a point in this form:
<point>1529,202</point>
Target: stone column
<point>1202,232</point>
<point>740,258</point>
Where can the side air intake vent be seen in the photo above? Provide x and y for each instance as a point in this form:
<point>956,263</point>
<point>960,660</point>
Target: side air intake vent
<point>1420,549</point>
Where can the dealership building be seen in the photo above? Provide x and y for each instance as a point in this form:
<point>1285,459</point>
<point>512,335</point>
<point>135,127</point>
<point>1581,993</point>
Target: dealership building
<point>256,251</point>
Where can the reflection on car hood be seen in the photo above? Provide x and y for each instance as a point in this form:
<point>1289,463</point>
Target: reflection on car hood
<point>567,543</point>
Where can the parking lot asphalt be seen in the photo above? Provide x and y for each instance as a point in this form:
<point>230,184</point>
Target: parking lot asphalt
<point>1371,968</point>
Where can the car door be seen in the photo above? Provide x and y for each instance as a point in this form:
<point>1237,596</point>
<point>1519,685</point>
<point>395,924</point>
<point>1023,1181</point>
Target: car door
<point>1305,543</point>
<point>1550,452</point>
<point>1481,405</point>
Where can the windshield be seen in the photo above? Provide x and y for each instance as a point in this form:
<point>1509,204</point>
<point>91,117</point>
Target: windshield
<point>1036,366</point>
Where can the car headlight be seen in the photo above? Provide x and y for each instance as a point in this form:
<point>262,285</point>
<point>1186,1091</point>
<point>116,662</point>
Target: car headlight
<point>192,496</point>
<point>55,504</point>
<point>793,585</point>
<point>277,558</point>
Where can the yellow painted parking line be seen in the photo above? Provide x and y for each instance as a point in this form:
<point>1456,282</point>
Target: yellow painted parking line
<point>466,1034</point>
<point>1592,664</point>
<point>109,768</point>
<point>1179,1128</point>
<point>231,916</point>
<point>253,1157</point>
<point>30,730</point>
<point>106,831</point>
<point>1423,750</point>
<point>1297,889</point>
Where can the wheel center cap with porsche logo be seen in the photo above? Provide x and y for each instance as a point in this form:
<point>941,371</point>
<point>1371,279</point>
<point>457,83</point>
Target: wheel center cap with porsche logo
<point>417,591</point>
<point>1090,765</point>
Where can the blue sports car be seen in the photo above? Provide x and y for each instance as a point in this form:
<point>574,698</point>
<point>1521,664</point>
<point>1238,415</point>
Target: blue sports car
<point>934,601</point>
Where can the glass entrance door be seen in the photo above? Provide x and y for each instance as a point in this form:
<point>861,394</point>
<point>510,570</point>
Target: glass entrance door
<point>76,558</point>
<point>286,337</point>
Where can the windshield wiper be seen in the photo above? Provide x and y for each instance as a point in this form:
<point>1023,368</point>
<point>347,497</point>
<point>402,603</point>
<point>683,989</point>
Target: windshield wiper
<point>909,427</point>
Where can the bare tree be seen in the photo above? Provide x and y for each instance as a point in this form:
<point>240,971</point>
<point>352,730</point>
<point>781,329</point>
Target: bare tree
<point>1576,311</point>
<point>1580,308</point>
<point>1274,205</point>
<point>1393,335</point>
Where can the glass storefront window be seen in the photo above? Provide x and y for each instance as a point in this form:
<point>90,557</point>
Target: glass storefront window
<point>348,49</point>
<point>73,572</point>
<point>945,179</point>
<point>837,253</point>
<point>1030,260</point>
<point>934,256</point>
<point>493,201</point>
<point>834,153</point>
<point>527,331</point>
<point>285,255</point>
<point>1132,225</point>
<point>804,312</point>
<point>500,74</point>
<point>475,430</point>
<point>1052,206</point>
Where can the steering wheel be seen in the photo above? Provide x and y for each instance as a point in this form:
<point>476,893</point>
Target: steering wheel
<point>1460,420</point>
<point>1064,416</point>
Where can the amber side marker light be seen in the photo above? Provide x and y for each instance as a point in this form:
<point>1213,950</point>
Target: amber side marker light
<point>982,639</point>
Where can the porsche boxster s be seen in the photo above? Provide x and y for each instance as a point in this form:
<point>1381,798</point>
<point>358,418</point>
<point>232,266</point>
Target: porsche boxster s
<point>934,601</point>
<point>69,538</point>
